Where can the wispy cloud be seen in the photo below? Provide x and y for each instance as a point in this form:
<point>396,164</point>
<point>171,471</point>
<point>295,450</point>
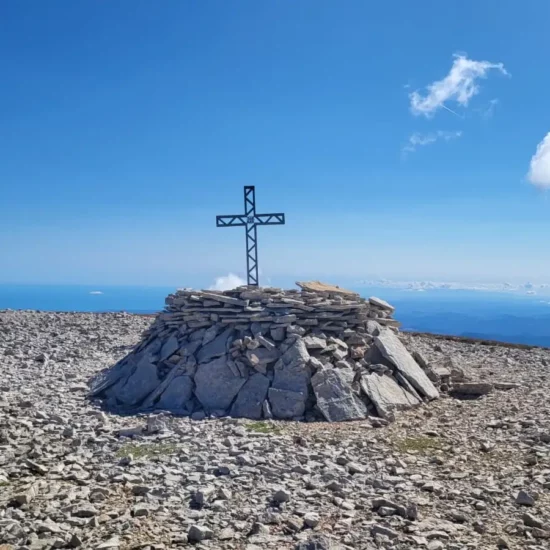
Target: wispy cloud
<point>227,282</point>
<point>459,86</point>
<point>489,111</point>
<point>419,140</point>
<point>539,170</point>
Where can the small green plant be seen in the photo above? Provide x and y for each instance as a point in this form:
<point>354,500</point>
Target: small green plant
<point>419,444</point>
<point>149,450</point>
<point>263,427</point>
<point>4,483</point>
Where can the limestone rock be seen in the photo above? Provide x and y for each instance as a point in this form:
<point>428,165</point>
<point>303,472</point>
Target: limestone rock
<point>473,389</point>
<point>381,304</point>
<point>198,533</point>
<point>250,398</point>
<point>393,350</point>
<point>387,395</point>
<point>292,370</point>
<point>523,498</point>
<point>109,377</point>
<point>314,342</point>
<point>262,357</point>
<point>286,403</point>
<point>335,399</point>
<point>216,385</point>
<point>215,348</point>
<point>169,347</point>
<point>139,384</point>
<point>177,394</point>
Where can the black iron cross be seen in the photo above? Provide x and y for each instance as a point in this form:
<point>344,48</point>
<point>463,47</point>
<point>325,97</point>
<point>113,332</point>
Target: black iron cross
<point>250,220</point>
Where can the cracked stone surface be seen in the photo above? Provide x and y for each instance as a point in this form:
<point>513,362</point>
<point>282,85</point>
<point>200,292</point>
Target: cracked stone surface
<point>466,472</point>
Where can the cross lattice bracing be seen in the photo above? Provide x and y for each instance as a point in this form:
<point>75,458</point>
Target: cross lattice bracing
<point>250,220</point>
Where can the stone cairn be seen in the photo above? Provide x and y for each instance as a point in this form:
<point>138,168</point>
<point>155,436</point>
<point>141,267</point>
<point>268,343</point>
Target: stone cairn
<point>320,352</point>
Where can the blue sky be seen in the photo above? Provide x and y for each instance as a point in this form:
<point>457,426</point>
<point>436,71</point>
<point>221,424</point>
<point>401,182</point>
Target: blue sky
<point>126,126</point>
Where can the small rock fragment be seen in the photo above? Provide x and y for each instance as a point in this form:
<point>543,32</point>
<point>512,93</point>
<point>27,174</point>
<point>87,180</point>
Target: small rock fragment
<point>524,499</point>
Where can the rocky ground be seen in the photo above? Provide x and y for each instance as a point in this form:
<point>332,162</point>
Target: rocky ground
<point>454,474</point>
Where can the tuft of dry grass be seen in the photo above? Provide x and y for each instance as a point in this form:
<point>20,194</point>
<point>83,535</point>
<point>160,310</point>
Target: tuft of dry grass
<point>263,427</point>
<point>418,444</point>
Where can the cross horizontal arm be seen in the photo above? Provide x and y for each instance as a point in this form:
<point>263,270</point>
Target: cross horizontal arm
<point>269,219</point>
<point>258,219</point>
<point>230,221</point>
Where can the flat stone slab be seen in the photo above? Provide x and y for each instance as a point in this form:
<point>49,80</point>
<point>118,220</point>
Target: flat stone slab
<point>216,385</point>
<point>215,348</point>
<point>224,299</point>
<point>318,286</point>
<point>107,378</point>
<point>394,351</point>
<point>138,385</point>
<point>386,394</point>
<point>169,347</point>
<point>286,403</point>
<point>250,398</point>
<point>382,304</point>
<point>474,389</point>
<point>177,393</point>
<point>314,342</point>
<point>262,356</point>
<point>335,399</point>
<point>292,369</point>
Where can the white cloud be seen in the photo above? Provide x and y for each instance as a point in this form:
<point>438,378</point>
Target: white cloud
<point>418,140</point>
<point>227,282</point>
<point>96,292</point>
<point>489,111</point>
<point>539,170</point>
<point>459,86</point>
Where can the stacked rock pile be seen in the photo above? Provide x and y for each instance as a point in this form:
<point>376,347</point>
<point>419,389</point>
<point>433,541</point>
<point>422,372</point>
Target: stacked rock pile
<point>320,352</point>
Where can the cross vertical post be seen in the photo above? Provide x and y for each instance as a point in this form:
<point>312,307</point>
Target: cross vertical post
<point>251,236</point>
<point>250,221</point>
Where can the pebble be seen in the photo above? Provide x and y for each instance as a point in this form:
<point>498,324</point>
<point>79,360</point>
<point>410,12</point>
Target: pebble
<point>524,499</point>
<point>198,533</point>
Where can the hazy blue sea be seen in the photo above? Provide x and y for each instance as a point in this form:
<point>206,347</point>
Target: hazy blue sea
<point>496,315</point>
<point>132,299</point>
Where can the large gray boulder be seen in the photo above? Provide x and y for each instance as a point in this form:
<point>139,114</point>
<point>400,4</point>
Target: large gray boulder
<point>394,351</point>
<point>291,371</point>
<point>386,394</point>
<point>138,385</point>
<point>169,347</point>
<point>215,348</point>
<point>290,388</point>
<point>250,398</point>
<point>119,373</point>
<point>216,385</point>
<point>109,377</point>
<point>335,398</point>
<point>286,403</point>
<point>177,394</point>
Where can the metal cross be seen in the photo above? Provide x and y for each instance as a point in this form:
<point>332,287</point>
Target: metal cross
<point>250,220</point>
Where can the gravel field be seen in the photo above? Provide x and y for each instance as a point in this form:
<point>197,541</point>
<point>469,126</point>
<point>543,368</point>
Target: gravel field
<point>450,475</point>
